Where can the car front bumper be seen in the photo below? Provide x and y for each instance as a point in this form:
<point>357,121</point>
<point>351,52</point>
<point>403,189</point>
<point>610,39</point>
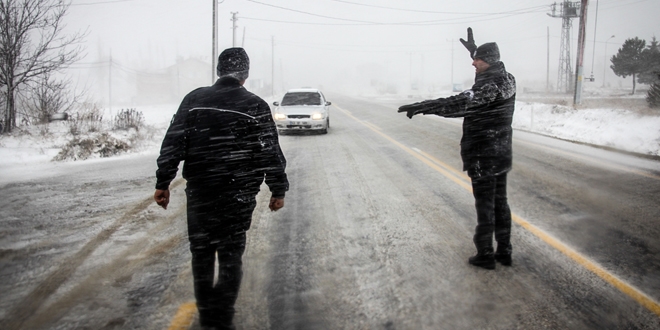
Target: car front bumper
<point>301,124</point>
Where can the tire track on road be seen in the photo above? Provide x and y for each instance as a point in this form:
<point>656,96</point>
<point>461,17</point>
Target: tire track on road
<point>35,299</point>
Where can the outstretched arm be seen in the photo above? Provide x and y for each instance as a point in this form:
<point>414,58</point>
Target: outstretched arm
<point>425,107</point>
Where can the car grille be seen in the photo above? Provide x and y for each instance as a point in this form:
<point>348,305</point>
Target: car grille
<point>298,116</point>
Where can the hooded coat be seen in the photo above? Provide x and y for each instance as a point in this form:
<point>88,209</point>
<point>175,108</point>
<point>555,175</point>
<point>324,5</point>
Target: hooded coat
<point>228,142</point>
<point>487,109</point>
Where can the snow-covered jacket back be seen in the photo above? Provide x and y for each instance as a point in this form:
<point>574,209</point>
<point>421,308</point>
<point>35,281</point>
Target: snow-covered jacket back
<point>228,141</point>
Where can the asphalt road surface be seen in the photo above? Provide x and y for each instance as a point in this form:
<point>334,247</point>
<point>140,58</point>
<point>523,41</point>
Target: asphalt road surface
<point>375,234</point>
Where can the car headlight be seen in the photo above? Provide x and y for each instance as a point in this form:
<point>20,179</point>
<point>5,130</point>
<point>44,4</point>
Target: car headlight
<point>280,116</point>
<point>317,116</point>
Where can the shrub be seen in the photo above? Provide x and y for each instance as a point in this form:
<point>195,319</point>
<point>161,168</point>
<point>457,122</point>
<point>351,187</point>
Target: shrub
<point>88,118</point>
<point>128,118</point>
<point>103,145</point>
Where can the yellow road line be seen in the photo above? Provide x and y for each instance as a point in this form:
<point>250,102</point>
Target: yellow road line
<point>184,316</point>
<point>624,287</point>
<point>621,285</point>
<point>456,172</point>
<point>410,151</point>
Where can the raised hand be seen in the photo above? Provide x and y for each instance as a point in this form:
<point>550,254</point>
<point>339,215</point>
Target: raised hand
<point>469,44</point>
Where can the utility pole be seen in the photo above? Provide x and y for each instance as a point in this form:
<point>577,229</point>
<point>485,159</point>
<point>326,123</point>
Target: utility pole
<point>605,59</point>
<point>421,76</point>
<point>272,66</point>
<point>577,97</point>
<point>593,54</point>
<point>233,19</point>
<point>110,84</point>
<point>243,42</point>
<point>410,73</point>
<point>547,72</point>
<point>214,45</point>
<point>452,64</point>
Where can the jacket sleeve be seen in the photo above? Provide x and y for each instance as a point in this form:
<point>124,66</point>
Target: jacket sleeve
<point>173,148</point>
<point>471,100</point>
<point>273,161</point>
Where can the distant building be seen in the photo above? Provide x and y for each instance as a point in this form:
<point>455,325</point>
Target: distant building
<point>171,84</point>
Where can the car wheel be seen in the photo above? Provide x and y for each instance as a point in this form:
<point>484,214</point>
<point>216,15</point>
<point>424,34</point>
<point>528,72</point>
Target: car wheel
<point>327,126</point>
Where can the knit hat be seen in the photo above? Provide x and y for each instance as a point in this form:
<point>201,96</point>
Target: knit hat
<point>488,52</point>
<point>234,62</point>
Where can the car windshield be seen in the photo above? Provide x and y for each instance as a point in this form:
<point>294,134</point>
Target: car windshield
<point>301,98</point>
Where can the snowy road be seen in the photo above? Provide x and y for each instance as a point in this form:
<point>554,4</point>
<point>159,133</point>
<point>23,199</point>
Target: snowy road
<point>375,234</point>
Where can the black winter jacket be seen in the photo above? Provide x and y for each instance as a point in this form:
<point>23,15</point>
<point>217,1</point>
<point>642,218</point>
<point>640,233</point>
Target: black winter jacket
<point>228,141</point>
<point>487,109</point>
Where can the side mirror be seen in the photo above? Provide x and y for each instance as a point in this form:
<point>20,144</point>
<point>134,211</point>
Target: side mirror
<point>277,104</point>
<point>328,103</point>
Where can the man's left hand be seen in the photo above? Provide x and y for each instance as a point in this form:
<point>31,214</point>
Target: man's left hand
<point>162,197</point>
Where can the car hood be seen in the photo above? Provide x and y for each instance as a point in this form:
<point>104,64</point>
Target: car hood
<point>301,109</point>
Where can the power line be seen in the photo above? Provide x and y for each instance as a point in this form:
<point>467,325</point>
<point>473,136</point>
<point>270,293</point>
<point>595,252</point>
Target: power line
<point>311,14</point>
<point>422,11</point>
<point>97,3</point>
<point>619,4</point>
<point>428,22</point>
<point>460,20</point>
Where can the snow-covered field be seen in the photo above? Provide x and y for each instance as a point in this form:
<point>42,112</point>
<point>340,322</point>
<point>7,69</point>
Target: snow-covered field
<point>30,155</point>
<point>619,129</point>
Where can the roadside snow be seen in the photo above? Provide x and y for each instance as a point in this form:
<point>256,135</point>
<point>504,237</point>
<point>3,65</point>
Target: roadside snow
<point>615,128</point>
<point>29,156</point>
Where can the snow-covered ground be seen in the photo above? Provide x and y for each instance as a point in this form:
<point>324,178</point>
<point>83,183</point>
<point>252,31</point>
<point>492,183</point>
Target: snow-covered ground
<point>29,156</point>
<point>619,129</point>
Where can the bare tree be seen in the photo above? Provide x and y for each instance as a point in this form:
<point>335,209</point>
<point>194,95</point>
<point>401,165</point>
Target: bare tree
<point>32,43</point>
<point>48,96</point>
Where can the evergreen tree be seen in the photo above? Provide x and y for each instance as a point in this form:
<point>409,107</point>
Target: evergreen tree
<point>651,75</point>
<point>651,58</point>
<point>629,60</point>
<point>653,95</point>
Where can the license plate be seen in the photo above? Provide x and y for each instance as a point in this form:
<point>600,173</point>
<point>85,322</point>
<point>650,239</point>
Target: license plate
<point>295,123</point>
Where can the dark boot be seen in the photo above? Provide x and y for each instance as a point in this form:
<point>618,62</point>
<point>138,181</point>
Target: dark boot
<point>503,255</point>
<point>485,258</point>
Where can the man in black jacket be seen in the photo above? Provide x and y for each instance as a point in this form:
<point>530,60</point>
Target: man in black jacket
<point>228,142</point>
<point>487,109</point>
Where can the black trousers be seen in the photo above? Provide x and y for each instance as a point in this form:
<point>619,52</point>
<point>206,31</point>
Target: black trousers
<point>217,225</point>
<point>493,213</point>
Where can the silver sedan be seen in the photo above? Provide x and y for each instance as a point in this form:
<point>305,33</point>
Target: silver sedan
<point>302,109</point>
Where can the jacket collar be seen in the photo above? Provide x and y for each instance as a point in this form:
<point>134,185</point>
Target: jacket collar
<point>227,82</point>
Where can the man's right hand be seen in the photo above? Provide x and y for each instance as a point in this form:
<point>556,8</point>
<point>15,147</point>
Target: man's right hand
<point>427,107</point>
<point>411,109</point>
<point>276,203</point>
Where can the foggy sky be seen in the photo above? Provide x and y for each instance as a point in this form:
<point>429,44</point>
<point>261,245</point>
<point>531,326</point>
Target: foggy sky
<point>342,45</point>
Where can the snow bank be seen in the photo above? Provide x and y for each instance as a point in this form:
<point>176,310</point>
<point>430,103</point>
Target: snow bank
<point>615,128</point>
